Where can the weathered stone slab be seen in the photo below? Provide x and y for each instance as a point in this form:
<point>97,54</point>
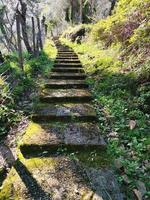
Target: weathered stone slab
<point>67,58</point>
<point>67,61</point>
<point>104,183</point>
<point>58,178</point>
<point>67,76</point>
<point>75,134</point>
<point>68,70</point>
<point>64,112</point>
<point>65,84</point>
<point>65,95</point>
<point>68,65</point>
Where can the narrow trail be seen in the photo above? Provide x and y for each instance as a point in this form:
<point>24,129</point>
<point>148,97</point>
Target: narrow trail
<point>64,152</point>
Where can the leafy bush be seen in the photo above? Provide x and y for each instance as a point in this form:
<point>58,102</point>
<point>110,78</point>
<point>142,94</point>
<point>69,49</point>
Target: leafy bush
<point>21,83</point>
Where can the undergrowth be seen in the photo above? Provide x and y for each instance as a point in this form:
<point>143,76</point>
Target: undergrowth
<point>18,84</point>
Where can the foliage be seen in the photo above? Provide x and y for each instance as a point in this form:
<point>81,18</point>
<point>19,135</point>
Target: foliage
<point>20,84</point>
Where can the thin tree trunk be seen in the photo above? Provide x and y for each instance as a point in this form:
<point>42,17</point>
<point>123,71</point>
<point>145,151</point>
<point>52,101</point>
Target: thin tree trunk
<point>2,28</point>
<point>71,12</point>
<point>1,58</point>
<point>37,45</point>
<point>44,26</point>
<point>5,44</point>
<point>19,42</point>
<point>39,34</point>
<point>22,16</point>
<point>33,32</point>
<point>81,11</point>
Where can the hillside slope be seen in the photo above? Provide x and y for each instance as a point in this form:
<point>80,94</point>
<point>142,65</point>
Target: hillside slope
<point>116,56</point>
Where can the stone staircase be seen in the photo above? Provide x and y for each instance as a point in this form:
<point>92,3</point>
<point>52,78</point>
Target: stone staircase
<point>66,99</point>
<point>64,154</point>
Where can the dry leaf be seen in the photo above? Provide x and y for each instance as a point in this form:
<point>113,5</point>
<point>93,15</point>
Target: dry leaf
<point>132,124</point>
<point>137,194</point>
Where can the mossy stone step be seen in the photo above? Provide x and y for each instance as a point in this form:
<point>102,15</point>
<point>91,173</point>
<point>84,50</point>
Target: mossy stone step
<point>60,55</point>
<point>68,70</point>
<point>74,65</point>
<point>73,135</point>
<point>67,76</point>
<point>65,95</point>
<point>60,177</point>
<point>64,113</point>
<point>67,61</point>
<point>65,51</point>
<point>65,84</point>
<point>67,57</point>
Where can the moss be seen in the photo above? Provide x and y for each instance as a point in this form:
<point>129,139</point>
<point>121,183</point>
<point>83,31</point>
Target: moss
<point>37,134</point>
<point>13,186</point>
<point>32,130</point>
<point>96,159</point>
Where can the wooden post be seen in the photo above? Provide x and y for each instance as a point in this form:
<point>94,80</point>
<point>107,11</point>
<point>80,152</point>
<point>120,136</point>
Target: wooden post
<point>33,33</point>
<point>19,42</point>
<point>39,34</point>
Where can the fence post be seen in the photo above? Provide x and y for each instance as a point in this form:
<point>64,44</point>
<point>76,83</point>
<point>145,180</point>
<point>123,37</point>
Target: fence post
<point>19,42</point>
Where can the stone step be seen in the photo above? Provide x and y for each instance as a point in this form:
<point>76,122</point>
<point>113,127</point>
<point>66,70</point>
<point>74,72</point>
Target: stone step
<point>65,51</point>
<point>74,65</point>
<point>57,176</point>
<point>67,61</point>
<point>71,135</point>
<point>68,76</point>
<point>65,95</point>
<point>68,70</point>
<point>67,57</point>
<point>66,54</point>
<point>66,84</point>
<point>64,113</point>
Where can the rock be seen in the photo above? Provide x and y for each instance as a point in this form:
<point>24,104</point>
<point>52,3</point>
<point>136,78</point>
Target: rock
<point>125,179</point>
<point>118,164</point>
<point>78,34</point>
<point>132,124</point>
<point>113,134</point>
<point>97,197</point>
<point>137,194</point>
<point>141,187</point>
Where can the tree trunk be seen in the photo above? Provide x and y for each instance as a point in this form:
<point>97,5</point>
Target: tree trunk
<point>1,58</point>
<point>44,25</point>
<point>19,42</point>
<point>81,11</point>
<point>71,12</point>
<point>22,16</point>
<point>37,45</point>
<point>39,34</point>
<point>113,3</point>
<point>33,32</point>
<point>10,46</point>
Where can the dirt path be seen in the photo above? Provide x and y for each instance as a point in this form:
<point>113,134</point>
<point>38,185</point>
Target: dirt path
<point>62,154</point>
